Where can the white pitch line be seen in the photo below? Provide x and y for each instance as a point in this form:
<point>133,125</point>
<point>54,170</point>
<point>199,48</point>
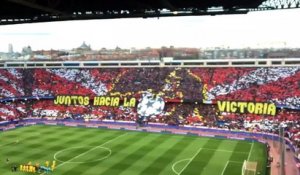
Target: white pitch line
<point>190,161</point>
<point>228,151</point>
<point>250,151</point>
<point>225,167</point>
<point>90,150</point>
<point>220,150</point>
<point>173,166</point>
<point>229,161</point>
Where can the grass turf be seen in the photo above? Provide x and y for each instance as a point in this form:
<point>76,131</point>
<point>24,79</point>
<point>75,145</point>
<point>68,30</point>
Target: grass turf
<point>94,151</point>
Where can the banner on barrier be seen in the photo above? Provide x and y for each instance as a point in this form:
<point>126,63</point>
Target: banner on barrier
<point>96,101</point>
<point>247,107</point>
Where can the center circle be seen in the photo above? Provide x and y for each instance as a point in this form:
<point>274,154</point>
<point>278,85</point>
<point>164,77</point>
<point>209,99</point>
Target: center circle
<point>58,155</point>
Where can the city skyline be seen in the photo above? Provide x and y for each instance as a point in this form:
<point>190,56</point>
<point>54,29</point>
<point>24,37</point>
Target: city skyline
<point>257,30</point>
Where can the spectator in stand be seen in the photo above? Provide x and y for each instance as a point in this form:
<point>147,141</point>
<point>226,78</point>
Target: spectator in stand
<point>278,85</point>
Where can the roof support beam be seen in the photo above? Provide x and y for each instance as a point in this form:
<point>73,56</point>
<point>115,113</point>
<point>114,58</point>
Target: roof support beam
<point>168,5</point>
<point>36,6</point>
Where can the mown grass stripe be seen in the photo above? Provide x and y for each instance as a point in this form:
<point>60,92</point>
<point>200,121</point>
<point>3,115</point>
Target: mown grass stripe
<point>236,169</point>
<point>219,159</point>
<point>118,145</point>
<point>190,161</point>
<point>86,152</point>
<point>55,139</point>
<point>202,158</point>
<point>165,158</point>
<point>37,147</point>
<point>41,151</point>
<point>259,155</point>
<point>137,167</point>
<point>135,156</point>
<point>106,137</point>
<point>182,158</point>
<point>102,138</point>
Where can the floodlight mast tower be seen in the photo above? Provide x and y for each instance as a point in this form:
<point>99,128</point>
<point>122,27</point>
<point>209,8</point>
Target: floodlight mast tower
<point>282,150</point>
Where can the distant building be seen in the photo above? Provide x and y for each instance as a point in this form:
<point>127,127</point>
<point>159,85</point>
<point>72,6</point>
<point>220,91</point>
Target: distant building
<point>48,54</point>
<point>10,48</point>
<point>27,51</point>
<point>83,48</point>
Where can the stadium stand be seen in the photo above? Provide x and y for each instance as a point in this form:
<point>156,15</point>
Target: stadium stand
<point>30,93</point>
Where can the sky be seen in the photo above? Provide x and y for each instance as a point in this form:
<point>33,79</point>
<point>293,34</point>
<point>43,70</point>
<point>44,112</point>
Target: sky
<point>278,28</point>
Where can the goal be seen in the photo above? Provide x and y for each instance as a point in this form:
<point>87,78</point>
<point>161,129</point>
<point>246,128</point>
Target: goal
<point>249,168</point>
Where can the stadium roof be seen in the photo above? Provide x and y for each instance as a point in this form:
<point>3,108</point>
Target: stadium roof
<point>28,11</point>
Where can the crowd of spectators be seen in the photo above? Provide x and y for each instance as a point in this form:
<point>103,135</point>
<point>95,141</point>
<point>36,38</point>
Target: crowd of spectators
<point>280,85</point>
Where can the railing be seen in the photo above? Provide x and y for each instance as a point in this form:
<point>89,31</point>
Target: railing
<point>155,63</point>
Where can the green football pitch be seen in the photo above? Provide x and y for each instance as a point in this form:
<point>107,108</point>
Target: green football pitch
<point>93,151</point>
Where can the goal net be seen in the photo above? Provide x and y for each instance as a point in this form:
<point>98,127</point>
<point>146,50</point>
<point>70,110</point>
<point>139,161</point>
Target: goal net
<point>249,168</point>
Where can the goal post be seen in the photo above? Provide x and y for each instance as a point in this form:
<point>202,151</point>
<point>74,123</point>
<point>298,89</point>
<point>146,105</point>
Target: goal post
<point>249,168</point>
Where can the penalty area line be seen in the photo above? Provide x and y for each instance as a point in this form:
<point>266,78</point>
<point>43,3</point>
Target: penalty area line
<point>227,163</point>
<point>250,152</point>
<point>225,167</point>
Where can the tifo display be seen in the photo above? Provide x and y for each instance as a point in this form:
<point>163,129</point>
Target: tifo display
<point>238,99</point>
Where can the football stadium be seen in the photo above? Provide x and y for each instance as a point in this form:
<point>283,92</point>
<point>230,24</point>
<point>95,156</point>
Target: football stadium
<point>148,111</point>
<point>148,119</point>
